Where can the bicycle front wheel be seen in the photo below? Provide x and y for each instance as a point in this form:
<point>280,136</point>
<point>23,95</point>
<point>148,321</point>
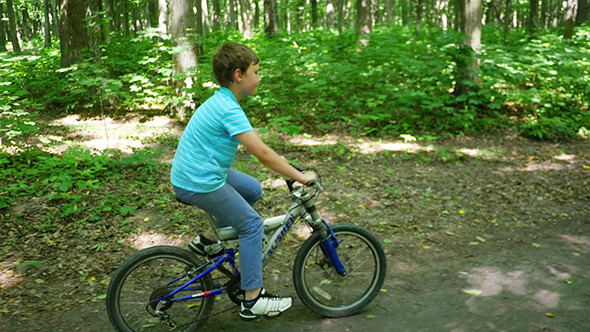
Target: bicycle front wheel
<point>137,287</point>
<point>326,292</point>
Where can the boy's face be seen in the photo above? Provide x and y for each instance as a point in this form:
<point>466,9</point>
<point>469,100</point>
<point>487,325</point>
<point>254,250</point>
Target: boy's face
<point>250,80</point>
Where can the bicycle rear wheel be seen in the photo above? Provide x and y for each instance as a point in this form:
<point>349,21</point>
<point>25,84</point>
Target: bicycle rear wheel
<point>327,293</point>
<point>132,297</point>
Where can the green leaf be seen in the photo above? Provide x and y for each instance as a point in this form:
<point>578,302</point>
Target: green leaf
<point>472,291</point>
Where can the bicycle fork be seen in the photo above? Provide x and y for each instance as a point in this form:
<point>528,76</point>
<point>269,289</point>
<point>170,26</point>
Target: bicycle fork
<point>328,246</point>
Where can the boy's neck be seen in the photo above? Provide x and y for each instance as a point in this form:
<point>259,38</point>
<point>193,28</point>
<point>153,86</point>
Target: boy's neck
<point>235,90</point>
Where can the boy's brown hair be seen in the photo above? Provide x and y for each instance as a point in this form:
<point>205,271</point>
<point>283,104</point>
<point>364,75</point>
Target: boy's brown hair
<point>228,58</point>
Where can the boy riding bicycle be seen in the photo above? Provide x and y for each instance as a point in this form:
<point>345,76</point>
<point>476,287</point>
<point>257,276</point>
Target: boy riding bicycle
<point>201,173</point>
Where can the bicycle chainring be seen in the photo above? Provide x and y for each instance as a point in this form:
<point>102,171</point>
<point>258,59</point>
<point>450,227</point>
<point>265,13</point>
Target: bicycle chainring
<point>234,290</point>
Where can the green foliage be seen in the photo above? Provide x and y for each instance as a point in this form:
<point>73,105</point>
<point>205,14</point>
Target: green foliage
<point>546,81</point>
<point>394,82</point>
<point>80,183</point>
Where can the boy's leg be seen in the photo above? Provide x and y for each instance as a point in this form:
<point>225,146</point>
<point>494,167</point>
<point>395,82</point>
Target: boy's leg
<point>230,209</point>
<point>247,186</point>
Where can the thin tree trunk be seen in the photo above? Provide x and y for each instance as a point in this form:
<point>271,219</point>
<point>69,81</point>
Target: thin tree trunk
<point>256,20</point>
<point>233,16</point>
<point>46,26</point>
<point>330,14</point>
<point>533,17</point>
<point>185,61</point>
<point>26,25</point>
<point>570,19</point>
<point>246,13</point>
<point>340,7</point>
<point>582,15</point>
<point>2,34</point>
<point>216,15</point>
<point>200,30</point>
<point>469,22</point>
<point>125,8</point>
<point>12,26</point>
<point>363,20</point>
<point>314,14</point>
<point>271,26</point>
<point>389,11</point>
<point>163,17</point>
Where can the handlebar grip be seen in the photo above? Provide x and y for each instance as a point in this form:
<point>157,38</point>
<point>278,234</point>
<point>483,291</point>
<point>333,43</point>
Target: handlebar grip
<point>315,184</point>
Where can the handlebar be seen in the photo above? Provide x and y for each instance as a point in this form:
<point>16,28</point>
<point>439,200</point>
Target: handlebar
<point>311,184</point>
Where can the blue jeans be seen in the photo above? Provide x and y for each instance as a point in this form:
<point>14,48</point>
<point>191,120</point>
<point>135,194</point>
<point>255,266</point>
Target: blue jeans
<point>231,205</point>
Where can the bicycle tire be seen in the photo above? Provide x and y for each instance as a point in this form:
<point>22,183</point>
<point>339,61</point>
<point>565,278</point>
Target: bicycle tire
<point>143,276</point>
<point>325,292</point>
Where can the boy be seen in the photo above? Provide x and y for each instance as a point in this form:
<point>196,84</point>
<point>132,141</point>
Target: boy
<point>201,173</point>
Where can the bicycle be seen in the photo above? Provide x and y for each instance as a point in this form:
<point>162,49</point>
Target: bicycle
<point>338,270</point>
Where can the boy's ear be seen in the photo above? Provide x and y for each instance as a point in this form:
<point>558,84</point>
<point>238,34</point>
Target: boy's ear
<point>237,75</point>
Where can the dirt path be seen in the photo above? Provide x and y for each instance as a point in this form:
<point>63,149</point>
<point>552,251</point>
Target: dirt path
<point>523,288</point>
<point>481,235</point>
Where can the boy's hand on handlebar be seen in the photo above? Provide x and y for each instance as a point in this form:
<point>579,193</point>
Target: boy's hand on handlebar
<point>308,177</point>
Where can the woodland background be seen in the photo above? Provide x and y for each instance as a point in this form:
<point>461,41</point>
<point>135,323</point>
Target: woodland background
<point>473,117</point>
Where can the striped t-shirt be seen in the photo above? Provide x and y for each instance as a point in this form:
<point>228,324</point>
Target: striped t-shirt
<point>208,145</point>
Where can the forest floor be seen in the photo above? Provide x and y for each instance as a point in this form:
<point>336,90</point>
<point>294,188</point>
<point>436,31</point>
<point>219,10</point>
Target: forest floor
<point>488,233</point>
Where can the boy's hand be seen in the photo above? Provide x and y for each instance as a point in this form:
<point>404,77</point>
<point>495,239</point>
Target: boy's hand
<point>307,177</point>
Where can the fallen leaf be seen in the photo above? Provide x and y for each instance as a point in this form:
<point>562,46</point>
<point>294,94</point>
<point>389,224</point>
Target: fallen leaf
<point>480,239</point>
<point>472,291</point>
<point>569,282</point>
<point>536,245</point>
<point>449,233</point>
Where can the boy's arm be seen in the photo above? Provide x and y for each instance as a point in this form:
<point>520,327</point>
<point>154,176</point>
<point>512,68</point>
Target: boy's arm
<point>270,158</point>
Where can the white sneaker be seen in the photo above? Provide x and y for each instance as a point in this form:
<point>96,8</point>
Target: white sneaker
<point>266,304</point>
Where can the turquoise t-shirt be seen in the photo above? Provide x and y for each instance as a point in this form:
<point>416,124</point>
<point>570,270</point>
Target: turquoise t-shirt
<point>208,145</point>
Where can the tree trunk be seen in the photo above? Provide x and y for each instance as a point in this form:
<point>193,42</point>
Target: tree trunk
<point>340,6</point>
<point>256,20</point>
<point>330,14</point>
<point>200,29</point>
<point>233,16</point>
<point>184,61</point>
<point>364,17</point>
<point>314,13</point>
<point>570,18</point>
<point>2,34</point>
<point>46,24</point>
<point>469,22</point>
<point>582,15</point>
<point>246,13</point>
<point>163,17</point>
<point>389,11</point>
<point>507,18</point>
<point>271,24</point>
<point>153,13</point>
<point>74,34</point>
<point>216,15</point>
<point>12,34</point>
<point>125,9</point>
<point>533,17</point>
<point>419,11</point>
<point>26,25</point>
